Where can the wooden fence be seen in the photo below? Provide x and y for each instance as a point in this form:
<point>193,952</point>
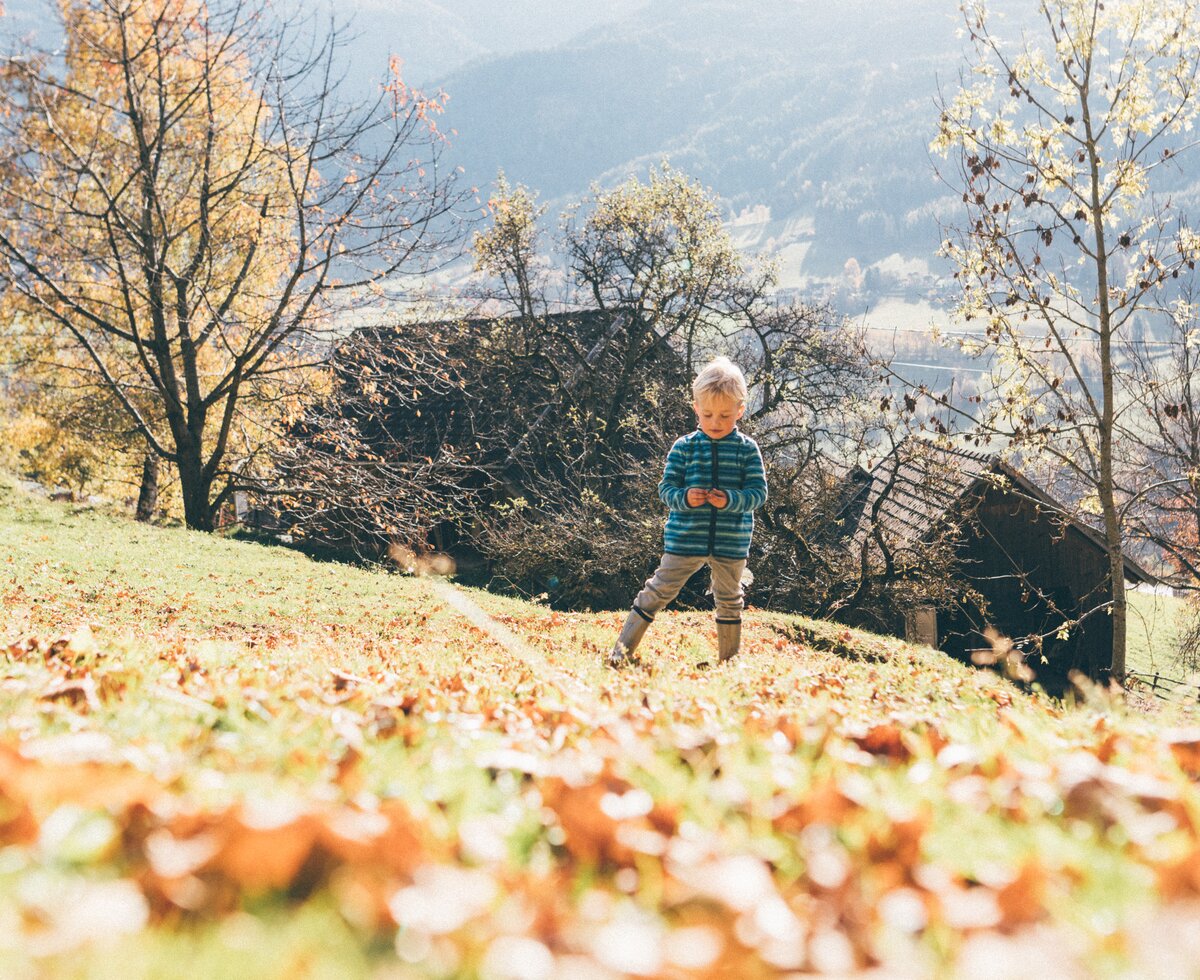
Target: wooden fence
<point>1163,687</point>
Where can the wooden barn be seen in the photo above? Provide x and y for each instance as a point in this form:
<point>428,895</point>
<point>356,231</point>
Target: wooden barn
<point>1035,565</point>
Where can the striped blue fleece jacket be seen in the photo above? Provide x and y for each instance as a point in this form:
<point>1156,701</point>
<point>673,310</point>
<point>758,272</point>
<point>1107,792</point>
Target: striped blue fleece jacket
<point>732,464</point>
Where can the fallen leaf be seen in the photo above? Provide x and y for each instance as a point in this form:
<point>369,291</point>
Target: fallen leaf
<point>79,693</point>
<point>1185,747</point>
<point>884,740</point>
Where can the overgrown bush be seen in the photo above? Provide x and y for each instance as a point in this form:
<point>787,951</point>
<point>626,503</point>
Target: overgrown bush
<point>472,435</point>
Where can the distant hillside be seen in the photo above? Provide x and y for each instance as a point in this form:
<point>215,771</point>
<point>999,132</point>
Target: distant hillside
<point>436,37</point>
<point>810,119</point>
<point>433,37</point>
<point>820,113</point>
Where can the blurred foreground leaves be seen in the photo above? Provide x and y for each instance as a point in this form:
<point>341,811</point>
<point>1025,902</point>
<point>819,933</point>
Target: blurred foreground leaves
<point>248,745</point>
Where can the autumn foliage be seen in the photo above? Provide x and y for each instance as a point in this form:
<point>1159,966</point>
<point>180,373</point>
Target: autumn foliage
<point>451,783</point>
<point>178,211</point>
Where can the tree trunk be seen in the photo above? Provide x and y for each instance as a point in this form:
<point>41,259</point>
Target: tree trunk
<point>198,512</point>
<point>1120,609</point>
<point>1106,485</point>
<point>1108,503</point>
<point>1116,554</point>
<point>147,503</point>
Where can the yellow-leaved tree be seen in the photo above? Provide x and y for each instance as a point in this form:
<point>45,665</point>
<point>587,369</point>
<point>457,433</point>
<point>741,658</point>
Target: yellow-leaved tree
<point>184,195</point>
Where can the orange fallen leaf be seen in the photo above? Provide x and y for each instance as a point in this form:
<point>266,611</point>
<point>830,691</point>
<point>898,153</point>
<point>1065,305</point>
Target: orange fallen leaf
<point>590,835</point>
<point>895,851</point>
<point>45,786</point>
<point>824,803</point>
<point>1180,878</point>
<point>79,693</point>
<point>347,772</point>
<point>17,822</point>
<point>1022,900</point>
<point>885,740</point>
<point>1185,747</point>
<point>264,847</point>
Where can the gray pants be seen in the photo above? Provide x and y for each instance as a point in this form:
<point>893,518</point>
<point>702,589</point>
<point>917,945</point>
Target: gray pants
<point>674,571</point>
<point>664,585</point>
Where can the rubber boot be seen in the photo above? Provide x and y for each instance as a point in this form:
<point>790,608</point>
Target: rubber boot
<point>729,638</point>
<point>636,624</point>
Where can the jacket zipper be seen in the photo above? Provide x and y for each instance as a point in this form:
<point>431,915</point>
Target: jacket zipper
<point>712,518</point>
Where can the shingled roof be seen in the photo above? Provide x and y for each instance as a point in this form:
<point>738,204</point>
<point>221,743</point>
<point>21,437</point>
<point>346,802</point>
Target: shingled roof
<point>925,486</point>
<point>921,484</point>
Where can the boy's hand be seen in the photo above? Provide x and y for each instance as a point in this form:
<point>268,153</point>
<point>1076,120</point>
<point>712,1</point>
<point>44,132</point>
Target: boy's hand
<point>718,498</point>
<point>696,497</point>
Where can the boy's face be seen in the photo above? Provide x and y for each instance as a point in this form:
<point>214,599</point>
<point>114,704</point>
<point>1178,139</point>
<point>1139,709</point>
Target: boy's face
<point>717,415</point>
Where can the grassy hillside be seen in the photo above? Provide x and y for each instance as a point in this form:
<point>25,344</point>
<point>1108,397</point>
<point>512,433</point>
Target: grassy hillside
<point>229,756</point>
<point>1155,622</point>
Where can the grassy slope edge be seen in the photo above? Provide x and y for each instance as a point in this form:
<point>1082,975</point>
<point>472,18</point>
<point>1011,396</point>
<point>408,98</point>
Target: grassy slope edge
<point>277,767</point>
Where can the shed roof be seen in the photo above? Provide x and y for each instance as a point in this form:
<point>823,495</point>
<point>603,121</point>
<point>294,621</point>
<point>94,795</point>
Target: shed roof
<point>924,485</point>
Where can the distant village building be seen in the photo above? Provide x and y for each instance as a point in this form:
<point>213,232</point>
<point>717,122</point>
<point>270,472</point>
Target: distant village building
<point>1036,566</point>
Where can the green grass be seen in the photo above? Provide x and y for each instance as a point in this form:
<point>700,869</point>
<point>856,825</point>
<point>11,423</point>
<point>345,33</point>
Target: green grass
<point>230,756</point>
<point>1155,622</point>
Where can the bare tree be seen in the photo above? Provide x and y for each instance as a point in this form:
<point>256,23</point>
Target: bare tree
<point>190,199</point>
<point>388,455</point>
<point>1058,138</point>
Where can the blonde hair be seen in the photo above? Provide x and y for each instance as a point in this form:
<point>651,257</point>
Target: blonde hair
<point>720,377</point>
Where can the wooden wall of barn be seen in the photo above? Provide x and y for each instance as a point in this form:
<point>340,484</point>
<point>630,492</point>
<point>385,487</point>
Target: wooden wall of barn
<point>1013,533</point>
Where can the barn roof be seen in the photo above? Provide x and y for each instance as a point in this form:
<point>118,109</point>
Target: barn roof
<point>925,485</point>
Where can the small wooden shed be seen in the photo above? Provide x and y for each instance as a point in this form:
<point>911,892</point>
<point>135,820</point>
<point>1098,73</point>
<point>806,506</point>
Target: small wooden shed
<point>1035,564</point>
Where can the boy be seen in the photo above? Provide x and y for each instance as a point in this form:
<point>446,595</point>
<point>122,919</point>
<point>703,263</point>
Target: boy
<point>713,482</point>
